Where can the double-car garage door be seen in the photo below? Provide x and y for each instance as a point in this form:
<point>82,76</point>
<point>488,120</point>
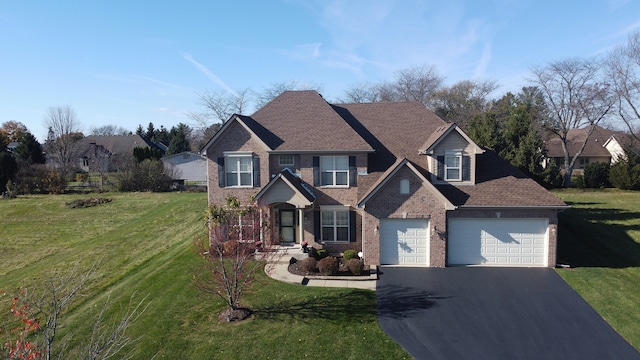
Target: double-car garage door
<point>486,242</point>
<point>497,242</point>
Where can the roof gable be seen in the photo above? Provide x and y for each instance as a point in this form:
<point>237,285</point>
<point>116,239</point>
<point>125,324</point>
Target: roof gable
<point>382,181</point>
<point>249,125</point>
<point>286,187</point>
<point>442,133</point>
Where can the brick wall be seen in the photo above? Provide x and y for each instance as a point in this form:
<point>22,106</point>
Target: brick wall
<point>420,203</point>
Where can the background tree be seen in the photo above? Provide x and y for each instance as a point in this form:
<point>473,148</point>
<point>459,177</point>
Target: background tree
<point>576,97</point>
<point>108,130</point>
<point>261,98</point>
<point>416,83</point>
<point>509,126</point>
<point>14,130</point>
<point>179,139</point>
<point>229,267</point>
<point>8,169</point>
<point>463,100</point>
<point>61,146</point>
<point>625,173</point>
<point>29,150</point>
<point>623,68</point>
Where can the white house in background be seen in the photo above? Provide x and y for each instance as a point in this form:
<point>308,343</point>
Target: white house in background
<point>187,167</point>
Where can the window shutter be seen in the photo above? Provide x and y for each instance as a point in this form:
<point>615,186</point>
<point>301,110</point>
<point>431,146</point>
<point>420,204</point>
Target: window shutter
<point>352,226</point>
<point>440,170</point>
<point>221,175</point>
<point>316,226</point>
<point>466,168</point>
<point>256,171</point>
<point>353,171</point>
<point>316,171</point>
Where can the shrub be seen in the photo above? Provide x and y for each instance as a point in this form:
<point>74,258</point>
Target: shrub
<point>578,182</point>
<point>355,266</point>
<point>596,175</point>
<point>309,264</point>
<point>350,254</point>
<point>320,254</point>
<point>328,266</point>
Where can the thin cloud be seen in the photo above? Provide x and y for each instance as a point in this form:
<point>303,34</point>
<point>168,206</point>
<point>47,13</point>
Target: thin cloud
<point>213,77</point>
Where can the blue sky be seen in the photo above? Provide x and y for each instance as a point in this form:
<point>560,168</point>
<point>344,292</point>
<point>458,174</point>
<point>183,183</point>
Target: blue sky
<point>126,62</point>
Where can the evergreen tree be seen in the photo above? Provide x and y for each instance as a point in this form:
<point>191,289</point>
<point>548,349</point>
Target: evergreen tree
<point>179,141</point>
<point>29,150</point>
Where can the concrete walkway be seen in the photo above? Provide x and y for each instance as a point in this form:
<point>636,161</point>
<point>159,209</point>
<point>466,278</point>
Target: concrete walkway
<point>279,270</point>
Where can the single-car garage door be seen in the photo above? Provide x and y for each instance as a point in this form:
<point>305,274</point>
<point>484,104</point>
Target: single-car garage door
<point>497,242</point>
<point>404,242</point>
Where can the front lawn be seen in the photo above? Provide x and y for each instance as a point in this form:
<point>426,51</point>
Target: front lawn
<point>143,244</point>
<point>600,237</point>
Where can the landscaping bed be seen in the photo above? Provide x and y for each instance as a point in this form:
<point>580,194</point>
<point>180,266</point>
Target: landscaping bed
<point>298,268</point>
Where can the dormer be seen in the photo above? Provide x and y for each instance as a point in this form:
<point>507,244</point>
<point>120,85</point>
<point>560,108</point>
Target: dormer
<point>452,156</point>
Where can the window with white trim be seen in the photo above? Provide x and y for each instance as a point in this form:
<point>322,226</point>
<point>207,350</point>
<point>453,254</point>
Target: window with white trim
<point>239,170</point>
<point>285,160</point>
<point>453,166</point>
<point>335,225</point>
<point>334,171</point>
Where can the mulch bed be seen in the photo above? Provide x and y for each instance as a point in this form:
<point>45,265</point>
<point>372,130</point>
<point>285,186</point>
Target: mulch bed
<point>296,269</point>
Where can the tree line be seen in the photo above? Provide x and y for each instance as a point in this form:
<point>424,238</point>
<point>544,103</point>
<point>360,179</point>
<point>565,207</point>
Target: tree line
<point>563,95</point>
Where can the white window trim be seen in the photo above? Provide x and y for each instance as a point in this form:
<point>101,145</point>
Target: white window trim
<point>334,209</point>
<point>450,154</point>
<point>280,163</point>
<point>231,157</point>
<point>334,172</point>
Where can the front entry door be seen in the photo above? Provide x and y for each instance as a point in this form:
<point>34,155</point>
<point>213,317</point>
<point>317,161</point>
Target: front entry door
<point>287,226</point>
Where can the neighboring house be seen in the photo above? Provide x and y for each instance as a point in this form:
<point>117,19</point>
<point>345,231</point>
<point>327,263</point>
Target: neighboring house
<point>103,152</point>
<point>187,167</point>
<point>390,179</point>
<point>604,145</point>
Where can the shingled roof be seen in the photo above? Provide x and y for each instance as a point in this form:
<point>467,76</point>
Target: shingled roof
<point>575,138</point>
<point>304,121</point>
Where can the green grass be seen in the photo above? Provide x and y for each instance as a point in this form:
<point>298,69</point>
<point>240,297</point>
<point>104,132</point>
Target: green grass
<point>600,237</point>
<point>143,243</point>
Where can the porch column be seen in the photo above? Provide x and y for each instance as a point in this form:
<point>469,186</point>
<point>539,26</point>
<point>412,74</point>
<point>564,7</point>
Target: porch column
<point>300,225</point>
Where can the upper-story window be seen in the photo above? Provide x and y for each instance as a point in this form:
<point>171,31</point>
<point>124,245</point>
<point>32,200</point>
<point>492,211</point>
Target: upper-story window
<point>453,166</point>
<point>338,171</point>
<point>238,170</point>
<point>285,160</point>
<point>334,170</point>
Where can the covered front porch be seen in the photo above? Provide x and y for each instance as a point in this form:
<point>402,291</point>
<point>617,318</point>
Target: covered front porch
<point>291,205</point>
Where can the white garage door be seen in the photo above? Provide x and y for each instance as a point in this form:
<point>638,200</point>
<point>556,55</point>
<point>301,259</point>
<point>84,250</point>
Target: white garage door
<point>497,242</point>
<point>404,242</point>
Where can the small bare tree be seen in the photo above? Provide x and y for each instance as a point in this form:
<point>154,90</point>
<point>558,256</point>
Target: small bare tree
<point>237,234</point>
<point>41,310</point>
<point>577,97</point>
<point>460,102</point>
<point>64,132</point>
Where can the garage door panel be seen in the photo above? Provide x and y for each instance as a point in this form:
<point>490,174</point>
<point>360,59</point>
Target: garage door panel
<point>495,242</point>
<point>404,242</point>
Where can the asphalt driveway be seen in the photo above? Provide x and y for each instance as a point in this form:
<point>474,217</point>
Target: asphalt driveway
<point>492,313</point>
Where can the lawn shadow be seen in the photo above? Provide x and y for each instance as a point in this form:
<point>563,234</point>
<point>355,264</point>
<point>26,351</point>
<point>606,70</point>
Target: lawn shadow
<point>594,237</point>
<point>337,306</point>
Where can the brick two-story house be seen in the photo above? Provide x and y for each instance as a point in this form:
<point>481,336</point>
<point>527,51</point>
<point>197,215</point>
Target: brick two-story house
<point>390,179</point>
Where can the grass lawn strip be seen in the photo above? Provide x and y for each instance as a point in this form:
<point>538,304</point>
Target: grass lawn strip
<point>143,242</point>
